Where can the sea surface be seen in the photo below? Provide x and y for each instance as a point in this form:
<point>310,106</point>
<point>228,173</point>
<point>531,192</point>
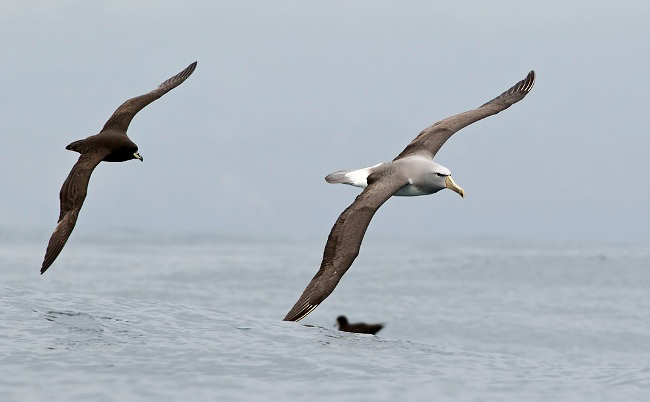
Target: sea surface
<point>147,317</point>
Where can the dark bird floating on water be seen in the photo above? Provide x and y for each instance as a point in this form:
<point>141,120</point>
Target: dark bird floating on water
<point>358,327</point>
<point>411,173</point>
<point>110,145</point>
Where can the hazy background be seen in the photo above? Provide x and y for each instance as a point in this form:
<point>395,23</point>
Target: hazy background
<point>286,92</point>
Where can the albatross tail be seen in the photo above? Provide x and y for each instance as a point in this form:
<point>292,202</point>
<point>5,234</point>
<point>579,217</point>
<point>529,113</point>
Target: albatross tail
<point>352,177</point>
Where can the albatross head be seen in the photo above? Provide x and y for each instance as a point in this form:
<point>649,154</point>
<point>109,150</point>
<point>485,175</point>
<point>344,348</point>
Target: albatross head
<point>442,179</point>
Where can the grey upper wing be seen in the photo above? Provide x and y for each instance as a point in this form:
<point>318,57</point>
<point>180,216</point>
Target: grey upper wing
<point>122,117</point>
<point>72,196</point>
<point>431,139</point>
<point>344,241</point>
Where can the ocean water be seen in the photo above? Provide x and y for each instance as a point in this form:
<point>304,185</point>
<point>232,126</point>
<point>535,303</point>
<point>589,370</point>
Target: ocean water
<point>198,318</point>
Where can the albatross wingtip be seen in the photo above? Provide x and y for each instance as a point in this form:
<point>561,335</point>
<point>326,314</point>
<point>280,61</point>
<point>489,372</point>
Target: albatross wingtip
<point>297,315</point>
<point>293,317</point>
<point>529,81</point>
<point>180,77</point>
<point>188,70</point>
<point>47,263</point>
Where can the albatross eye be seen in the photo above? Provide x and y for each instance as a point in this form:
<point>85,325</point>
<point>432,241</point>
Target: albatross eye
<point>441,174</point>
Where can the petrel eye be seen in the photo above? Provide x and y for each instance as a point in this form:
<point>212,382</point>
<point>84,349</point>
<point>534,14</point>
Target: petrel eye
<point>441,174</point>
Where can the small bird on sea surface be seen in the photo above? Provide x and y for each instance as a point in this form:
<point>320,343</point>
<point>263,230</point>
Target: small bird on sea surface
<point>413,172</point>
<point>110,145</point>
<point>358,327</point>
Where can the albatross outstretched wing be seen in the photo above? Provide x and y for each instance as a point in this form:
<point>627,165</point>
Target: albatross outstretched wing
<point>431,139</point>
<point>122,117</point>
<point>72,196</point>
<point>344,242</point>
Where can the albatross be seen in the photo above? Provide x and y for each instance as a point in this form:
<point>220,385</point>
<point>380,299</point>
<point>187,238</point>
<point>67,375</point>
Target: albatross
<point>110,145</point>
<point>413,172</point>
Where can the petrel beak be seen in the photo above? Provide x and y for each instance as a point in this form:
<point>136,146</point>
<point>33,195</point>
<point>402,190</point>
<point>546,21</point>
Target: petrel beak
<point>138,156</point>
<point>451,184</point>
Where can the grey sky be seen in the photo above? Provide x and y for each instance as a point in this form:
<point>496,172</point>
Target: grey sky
<point>286,92</point>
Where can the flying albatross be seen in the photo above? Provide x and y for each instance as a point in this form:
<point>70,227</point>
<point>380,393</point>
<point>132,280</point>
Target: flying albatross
<point>110,145</point>
<point>411,173</point>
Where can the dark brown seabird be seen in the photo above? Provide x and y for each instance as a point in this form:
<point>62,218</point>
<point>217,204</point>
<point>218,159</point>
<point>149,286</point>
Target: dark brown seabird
<point>358,327</point>
<point>411,173</point>
<point>110,145</point>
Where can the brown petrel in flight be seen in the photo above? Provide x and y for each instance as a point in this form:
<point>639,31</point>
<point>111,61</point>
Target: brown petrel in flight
<point>110,145</point>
